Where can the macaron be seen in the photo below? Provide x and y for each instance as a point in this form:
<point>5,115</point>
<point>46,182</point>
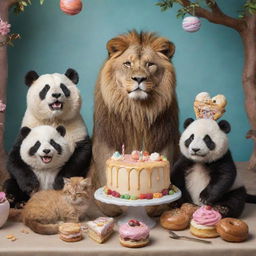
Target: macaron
<point>70,232</point>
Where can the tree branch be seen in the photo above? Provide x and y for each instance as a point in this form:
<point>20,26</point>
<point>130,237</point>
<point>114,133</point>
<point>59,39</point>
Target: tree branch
<point>215,15</point>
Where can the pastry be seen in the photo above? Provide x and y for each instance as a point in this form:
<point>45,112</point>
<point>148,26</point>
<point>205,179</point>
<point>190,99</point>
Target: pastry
<point>203,223</point>
<point>134,234</point>
<point>100,229</point>
<point>175,219</point>
<point>232,230</point>
<point>138,175</point>
<point>189,209</point>
<point>207,107</point>
<point>70,232</point>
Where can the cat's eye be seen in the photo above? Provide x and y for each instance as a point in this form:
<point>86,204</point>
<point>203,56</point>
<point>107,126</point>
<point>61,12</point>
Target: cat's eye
<point>79,194</point>
<point>150,64</point>
<point>127,64</point>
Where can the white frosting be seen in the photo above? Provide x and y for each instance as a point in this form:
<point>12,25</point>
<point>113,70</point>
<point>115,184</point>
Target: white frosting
<point>101,225</point>
<point>154,157</point>
<point>194,224</point>
<point>203,96</point>
<point>71,235</point>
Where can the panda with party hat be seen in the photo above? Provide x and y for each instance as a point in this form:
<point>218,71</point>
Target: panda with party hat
<point>205,171</point>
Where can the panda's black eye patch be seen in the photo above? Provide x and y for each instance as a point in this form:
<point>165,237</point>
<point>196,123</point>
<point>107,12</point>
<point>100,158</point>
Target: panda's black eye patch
<point>34,149</point>
<point>56,146</point>
<point>65,90</point>
<point>209,143</point>
<point>44,91</point>
<point>189,140</point>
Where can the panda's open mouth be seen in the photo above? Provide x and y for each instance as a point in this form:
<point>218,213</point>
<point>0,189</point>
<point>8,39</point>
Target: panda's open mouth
<point>57,105</point>
<point>46,159</point>
<point>200,155</point>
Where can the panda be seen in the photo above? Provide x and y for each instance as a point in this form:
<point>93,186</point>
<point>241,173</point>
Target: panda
<point>54,99</point>
<point>205,171</point>
<point>35,161</point>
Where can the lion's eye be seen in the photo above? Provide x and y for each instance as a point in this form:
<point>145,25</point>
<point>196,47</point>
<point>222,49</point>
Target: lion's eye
<point>150,64</point>
<point>127,64</point>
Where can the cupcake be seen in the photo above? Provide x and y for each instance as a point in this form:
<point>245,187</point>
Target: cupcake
<point>203,223</point>
<point>134,234</point>
<point>4,209</point>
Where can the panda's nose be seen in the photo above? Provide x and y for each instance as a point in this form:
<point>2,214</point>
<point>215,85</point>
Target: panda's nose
<point>56,95</point>
<point>46,151</point>
<point>195,149</point>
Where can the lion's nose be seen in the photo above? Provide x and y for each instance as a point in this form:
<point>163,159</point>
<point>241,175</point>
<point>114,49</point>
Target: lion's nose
<point>139,79</point>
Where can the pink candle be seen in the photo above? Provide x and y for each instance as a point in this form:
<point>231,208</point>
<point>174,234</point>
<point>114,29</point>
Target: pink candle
<point>123,150</point>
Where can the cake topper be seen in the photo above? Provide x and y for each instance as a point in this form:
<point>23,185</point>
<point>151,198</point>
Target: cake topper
<point>209,108</point>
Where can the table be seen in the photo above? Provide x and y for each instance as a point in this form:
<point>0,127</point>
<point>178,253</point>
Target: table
<point>36,245</point>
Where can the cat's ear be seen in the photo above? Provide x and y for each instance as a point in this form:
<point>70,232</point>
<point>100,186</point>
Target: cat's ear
<point>86,182</point>
<point>66,181</point>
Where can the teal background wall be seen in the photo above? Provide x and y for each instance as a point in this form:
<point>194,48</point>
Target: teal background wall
<point>209,60</point>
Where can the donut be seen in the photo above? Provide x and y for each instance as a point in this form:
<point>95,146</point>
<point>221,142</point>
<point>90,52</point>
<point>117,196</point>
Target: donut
<point>232,230</point>
<point>189,209</point>
<point>134,234</point>
<point>175,219</point>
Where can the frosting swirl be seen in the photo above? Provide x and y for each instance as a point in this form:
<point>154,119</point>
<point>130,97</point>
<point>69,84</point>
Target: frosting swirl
<point>205,215</point>
<point>136,233</point>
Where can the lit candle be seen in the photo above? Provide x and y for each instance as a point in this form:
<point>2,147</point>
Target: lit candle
<point>123,153</point>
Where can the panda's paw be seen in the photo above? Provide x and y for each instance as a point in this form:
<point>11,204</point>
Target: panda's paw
<point>30,186</point>
<point>223,210</point>
<point>205,197</point>
<point>59,183</point>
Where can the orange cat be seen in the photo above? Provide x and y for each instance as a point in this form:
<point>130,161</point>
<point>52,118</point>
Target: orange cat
<point>43,212</point>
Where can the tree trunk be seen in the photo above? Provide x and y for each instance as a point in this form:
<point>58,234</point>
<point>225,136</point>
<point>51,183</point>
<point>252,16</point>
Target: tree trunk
<point>4,8</point>
<point>249,77</point>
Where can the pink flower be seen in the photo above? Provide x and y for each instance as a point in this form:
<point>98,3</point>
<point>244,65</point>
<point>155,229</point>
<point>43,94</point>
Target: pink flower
<point>2,106</point>
<point>4,28</point>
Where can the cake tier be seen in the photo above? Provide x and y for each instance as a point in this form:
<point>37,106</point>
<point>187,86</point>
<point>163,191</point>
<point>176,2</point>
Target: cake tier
<point>134,177</point>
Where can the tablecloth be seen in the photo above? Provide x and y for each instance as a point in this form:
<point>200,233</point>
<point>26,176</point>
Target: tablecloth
<point>32,244</point>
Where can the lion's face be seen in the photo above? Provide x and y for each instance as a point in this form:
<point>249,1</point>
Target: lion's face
<point>138,67</point>
<point>138,72</point>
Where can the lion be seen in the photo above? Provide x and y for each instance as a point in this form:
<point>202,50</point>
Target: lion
<point>135,101</point>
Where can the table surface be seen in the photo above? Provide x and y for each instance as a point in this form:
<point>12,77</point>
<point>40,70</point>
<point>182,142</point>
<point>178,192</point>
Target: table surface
<point>160,243</point>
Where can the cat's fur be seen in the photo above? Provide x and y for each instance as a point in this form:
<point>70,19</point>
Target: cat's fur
<point>43,212</point>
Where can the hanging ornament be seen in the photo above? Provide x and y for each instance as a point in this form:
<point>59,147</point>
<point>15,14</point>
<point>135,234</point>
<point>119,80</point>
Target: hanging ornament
<point>191,24</point>
<point>71,7</point>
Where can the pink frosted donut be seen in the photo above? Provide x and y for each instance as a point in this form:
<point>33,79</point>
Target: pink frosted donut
<point>191,24</point>
<point>134,234</point>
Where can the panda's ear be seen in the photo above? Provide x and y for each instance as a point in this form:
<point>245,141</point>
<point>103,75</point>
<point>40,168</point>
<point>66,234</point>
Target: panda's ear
<point>30,77</point>
<point>24,131</point>
<point>72,75</point>
<point>61,130</point>
<point>187,122</point>
<point>224,126</point>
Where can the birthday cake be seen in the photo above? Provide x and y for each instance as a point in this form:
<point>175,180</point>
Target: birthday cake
<point>138,176</point>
